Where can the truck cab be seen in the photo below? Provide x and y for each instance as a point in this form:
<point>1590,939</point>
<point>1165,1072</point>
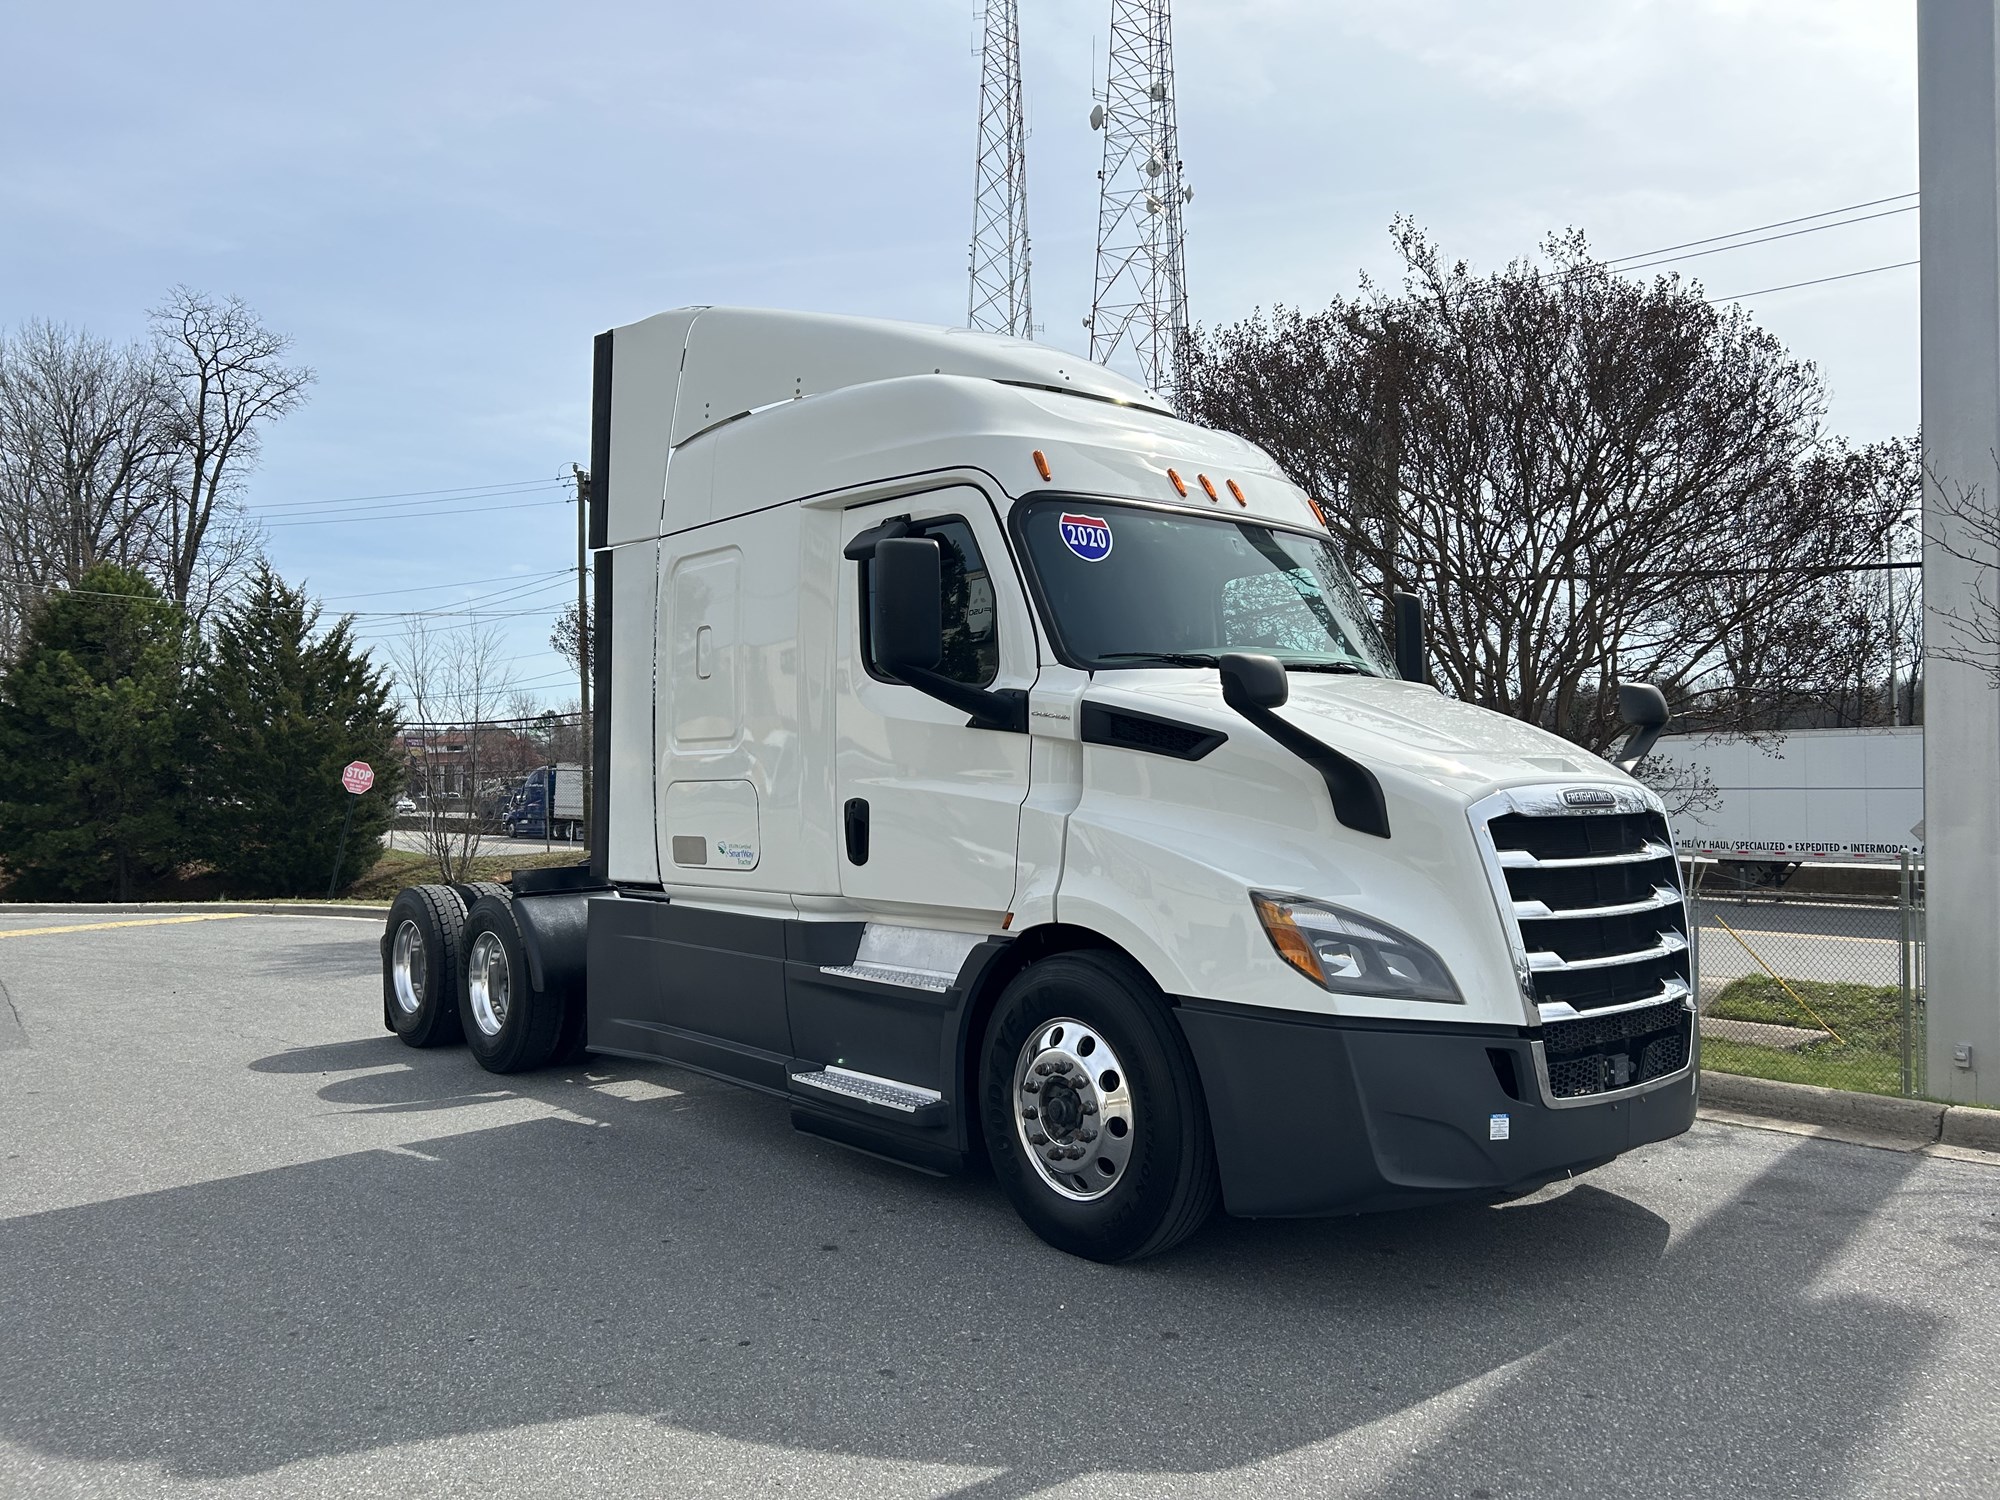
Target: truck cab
<point>1002,770</point>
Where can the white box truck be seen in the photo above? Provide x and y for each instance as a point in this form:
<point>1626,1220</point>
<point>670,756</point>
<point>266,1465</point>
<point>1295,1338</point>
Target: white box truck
<point>1806,797</point>
<point>1002,770</point>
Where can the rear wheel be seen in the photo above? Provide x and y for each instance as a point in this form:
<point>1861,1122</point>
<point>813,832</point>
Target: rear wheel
<point>510,1026</point>
<point>1091,1110</point>
<point>420,964</point>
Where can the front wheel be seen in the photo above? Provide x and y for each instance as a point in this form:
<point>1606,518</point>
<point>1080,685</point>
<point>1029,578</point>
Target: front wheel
<point>1092,1112</point>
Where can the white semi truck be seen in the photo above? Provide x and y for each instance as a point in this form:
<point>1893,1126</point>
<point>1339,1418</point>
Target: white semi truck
<point>1000,769</point>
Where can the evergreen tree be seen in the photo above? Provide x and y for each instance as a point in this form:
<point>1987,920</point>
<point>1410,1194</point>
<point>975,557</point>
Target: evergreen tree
<point>283,706</point>
<point>93,726</point>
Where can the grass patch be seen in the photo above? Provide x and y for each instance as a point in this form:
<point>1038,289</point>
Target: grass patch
<point>1867,1017</point>
<point>399,869</point>
<point>1829,1066</point>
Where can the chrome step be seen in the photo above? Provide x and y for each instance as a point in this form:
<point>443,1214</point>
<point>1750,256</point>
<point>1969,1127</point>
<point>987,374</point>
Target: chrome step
<point>909,979</point>
<point>906,1101</point>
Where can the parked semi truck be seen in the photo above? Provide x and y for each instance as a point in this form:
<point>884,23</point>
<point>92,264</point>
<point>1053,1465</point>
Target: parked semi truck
<point>548,804</point>
<point>999,769</point>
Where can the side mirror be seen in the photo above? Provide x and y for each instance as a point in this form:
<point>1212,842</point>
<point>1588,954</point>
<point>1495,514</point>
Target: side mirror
<point>1253,680</point>
<point>1411,657</point>
<point>906,613</point>
<point>1644,707</point>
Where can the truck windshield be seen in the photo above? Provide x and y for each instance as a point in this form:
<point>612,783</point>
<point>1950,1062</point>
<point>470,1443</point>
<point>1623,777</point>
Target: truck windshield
<point>1129,586</point>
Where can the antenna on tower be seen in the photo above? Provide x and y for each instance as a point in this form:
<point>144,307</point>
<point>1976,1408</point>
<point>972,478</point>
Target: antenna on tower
<point>999,301</point>
<point>1139,306</point>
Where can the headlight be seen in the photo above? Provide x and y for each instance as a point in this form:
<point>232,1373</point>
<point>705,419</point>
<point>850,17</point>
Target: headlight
<point>1351,954</point>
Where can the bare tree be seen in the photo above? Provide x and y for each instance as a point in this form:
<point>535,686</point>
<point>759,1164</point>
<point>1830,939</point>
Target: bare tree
<point>229,380</point>
<point>82,459</point>
<point>453,682</point>
<point>1592,478</point>
<point>1965,523</point>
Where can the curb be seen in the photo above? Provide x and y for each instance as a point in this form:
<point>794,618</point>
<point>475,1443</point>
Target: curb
<point>1872,1119</point>
<point>1976,1128</point>
<point>192,908</point>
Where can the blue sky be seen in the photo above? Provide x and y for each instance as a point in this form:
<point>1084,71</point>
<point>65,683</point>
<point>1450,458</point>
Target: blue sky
<point>442,203</point>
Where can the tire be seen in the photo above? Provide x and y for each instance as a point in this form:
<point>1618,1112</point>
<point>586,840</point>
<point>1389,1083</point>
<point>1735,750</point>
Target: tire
<point>420,965</point>
<point>1130,1193</point>
<point>510,1026</point>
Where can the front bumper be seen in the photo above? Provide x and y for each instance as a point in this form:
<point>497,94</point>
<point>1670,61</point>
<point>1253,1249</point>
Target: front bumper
<point>1316,1115</point>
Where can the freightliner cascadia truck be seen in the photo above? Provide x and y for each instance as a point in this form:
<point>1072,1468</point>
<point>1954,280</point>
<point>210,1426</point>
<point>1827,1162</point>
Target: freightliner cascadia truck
<point>1003,771</point>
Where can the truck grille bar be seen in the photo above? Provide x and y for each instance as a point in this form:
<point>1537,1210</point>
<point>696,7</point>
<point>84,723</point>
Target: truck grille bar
<point>1590,897</point>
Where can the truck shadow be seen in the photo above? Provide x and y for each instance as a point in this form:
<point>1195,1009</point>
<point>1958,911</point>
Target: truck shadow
<point>685,1257</point>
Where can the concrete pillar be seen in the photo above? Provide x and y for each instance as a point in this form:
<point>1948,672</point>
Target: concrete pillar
<point>1958,130</point>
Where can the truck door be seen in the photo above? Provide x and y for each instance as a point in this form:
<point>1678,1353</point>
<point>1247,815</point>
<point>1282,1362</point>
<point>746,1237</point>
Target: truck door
<point>928,808</point>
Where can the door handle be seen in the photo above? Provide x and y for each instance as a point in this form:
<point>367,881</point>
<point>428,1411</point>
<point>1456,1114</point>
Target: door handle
<point>856,819</point>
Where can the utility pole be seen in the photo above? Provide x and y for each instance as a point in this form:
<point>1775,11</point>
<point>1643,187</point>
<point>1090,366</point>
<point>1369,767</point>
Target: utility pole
<point>1139,306</point>
<point>583,648</point>
<point>999,300</point>
<point>1958,172</point>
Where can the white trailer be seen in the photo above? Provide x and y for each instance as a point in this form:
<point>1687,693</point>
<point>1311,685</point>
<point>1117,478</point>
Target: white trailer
<point>1003,771</point>
<point>1813,796</point>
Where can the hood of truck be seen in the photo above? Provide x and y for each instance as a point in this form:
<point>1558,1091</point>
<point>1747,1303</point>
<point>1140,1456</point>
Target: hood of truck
<point>1385,723</point>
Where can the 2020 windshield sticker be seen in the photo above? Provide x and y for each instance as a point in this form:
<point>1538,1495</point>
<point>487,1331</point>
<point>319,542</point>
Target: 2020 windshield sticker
<point>1089,537</point>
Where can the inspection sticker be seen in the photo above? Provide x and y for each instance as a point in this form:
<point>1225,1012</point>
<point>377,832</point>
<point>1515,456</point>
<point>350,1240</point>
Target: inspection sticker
<point>1089,537</point>
<point>1497,1127</point>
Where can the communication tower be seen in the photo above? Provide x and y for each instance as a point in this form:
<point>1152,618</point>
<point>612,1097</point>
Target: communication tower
<point>1139,306</point>
<point>999,301</point>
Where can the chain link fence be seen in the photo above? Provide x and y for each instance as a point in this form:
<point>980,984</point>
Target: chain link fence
<point>1821,981</point>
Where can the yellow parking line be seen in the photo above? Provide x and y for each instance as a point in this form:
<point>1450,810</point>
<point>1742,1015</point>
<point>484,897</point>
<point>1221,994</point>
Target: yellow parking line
<point>217,916</point>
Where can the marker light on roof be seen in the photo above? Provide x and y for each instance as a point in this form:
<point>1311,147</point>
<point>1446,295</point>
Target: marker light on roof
<point>1179,488</point>
<point>1041,464</point>
<point>1208,485</point>
<point>1237,490</point>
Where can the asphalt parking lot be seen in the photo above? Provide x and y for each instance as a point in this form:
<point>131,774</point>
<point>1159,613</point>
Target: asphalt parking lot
<point>252,1245</point>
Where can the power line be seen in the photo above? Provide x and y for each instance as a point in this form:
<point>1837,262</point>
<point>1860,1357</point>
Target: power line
<point>460,490</point>
<point>406,507</point>
<point>1644,265</point>
<point>1760,228</point>
<point>463,583</point>
<point>477,510</point>
<point>1816,281</point>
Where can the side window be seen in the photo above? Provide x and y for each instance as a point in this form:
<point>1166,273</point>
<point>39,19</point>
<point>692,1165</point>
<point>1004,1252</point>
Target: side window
<point>971,642</point>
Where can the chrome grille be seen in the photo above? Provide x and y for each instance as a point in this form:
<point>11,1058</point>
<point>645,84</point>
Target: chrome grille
<point>1591,899</point>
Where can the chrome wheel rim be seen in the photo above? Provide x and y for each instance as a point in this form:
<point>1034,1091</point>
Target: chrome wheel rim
<point>488,983</point>
<point>1072,1106</point>
<point>406,968</point>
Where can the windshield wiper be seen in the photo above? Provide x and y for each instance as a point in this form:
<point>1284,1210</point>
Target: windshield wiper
<point>1345,668</point>
<point>1171,658</point>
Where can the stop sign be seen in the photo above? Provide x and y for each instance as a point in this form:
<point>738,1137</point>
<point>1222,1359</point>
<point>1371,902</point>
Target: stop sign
<point>358,776</point>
